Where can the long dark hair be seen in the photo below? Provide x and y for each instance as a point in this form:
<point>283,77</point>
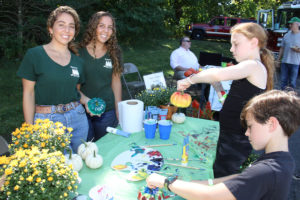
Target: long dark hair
<point>111,44</point>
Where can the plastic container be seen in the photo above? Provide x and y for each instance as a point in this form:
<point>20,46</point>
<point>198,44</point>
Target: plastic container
<point>150,128</point>
<point>164,127</point>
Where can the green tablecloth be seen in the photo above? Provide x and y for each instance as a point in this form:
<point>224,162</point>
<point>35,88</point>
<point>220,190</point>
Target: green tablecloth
<point>203,140</point>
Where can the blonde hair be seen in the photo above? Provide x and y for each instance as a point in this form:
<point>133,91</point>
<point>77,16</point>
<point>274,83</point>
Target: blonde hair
<point>57,12</point>
<point>253,30</point>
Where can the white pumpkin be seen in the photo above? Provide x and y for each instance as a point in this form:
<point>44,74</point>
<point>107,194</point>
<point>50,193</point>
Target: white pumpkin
<point>75,160</point>
<point>94,160</point>
<point>178,118</point>
<point>86,148</point>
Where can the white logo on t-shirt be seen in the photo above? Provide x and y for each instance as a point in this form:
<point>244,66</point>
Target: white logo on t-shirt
<point>75,72</point>
<point>108,63</point>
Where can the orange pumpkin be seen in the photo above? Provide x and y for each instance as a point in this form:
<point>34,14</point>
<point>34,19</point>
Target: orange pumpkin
<point>181,99</point>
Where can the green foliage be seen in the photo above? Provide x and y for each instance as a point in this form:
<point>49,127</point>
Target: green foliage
<point>156,96</point>
<point>252,157</point>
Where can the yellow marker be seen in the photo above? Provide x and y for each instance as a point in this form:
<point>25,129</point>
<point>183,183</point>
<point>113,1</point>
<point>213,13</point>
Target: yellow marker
<point>184,157</point>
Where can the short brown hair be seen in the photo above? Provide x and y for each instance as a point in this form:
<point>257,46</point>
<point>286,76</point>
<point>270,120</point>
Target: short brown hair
<point>283,105</point>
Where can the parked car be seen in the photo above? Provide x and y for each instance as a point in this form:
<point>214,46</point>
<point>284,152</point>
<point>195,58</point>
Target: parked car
<point>218,27</point>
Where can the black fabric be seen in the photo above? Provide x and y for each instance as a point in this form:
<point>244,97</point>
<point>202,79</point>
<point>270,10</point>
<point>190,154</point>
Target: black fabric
<point>232,151</point>
<point>233,146</point>
<point>269,178</point>
<point>240,93</point>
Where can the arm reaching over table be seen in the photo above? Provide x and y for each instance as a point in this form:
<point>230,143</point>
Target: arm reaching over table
<point>193,190</point>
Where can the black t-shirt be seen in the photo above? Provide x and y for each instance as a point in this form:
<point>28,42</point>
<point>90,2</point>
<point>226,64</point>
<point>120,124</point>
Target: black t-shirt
<point>269,178</point>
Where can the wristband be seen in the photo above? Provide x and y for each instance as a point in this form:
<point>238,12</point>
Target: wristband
<point>210,182</point>
<point>189,80</point>
<point>169,180</point>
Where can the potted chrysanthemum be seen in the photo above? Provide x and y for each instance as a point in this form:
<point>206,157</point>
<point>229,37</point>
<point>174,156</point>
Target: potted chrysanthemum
<point>36,174</point>
<point>44,134</point>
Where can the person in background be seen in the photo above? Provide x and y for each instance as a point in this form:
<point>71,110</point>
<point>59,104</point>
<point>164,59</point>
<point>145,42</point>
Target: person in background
<point>290,54</point>
<point>103,68</point>
<point>251,76</point>
<point>183,58</point>
<point>268,129</point>
<point>51,74</point>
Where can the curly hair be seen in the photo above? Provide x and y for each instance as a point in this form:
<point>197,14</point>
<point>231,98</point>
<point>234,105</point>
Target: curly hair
<point>253,30</point>
<point>111,44</point>
<point>57,12</point>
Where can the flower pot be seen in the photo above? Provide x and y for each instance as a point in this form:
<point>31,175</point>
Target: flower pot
<point>171,110</point>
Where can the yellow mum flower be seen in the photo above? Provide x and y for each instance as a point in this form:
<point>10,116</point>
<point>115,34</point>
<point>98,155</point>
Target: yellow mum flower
<point>30,178</point>
<point>16,187</point>
<point>43,144</point>
<point>63,144</point>
<point>8,171</point>
<point>8,193</point>
<point>14,163</point>
<point>65,194</point>
<point>38,180</point>
<point>22,163</point>
<point>70,129</point>
<point>53,160</point>
<point>25,145</point>
<point>50,178</point>
<point>6,183</point>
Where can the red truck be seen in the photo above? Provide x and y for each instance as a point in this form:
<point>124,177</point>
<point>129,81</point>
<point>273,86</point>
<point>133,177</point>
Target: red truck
<point>277,25</point>
<point>218,27</point>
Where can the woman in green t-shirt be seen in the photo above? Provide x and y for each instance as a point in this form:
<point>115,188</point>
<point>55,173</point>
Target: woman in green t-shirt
<point>51,74</point>
<point>102,68</point>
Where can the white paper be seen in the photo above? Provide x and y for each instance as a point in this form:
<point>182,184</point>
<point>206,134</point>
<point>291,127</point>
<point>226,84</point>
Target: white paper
<point>131,115</point>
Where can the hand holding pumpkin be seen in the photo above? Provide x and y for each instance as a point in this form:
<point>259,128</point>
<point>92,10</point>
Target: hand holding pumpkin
<point>183,84</point>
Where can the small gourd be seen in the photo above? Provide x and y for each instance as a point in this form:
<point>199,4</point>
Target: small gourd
<point>74,159</point>
<point>178,118</point>
<point>181,99</point>
<point>96,106</point>
<point>86,148</point>
<point>94,160</point>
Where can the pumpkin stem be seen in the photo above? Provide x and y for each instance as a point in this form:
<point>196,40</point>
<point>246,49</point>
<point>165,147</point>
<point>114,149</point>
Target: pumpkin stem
<point>94,154</point>
<point>70,152</point>
<point>85,144</point>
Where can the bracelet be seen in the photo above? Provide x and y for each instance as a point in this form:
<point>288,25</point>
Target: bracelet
<point>189,80</point>
<point>210,182</point>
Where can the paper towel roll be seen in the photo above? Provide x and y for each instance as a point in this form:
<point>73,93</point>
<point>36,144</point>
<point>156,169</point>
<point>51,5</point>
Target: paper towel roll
<point>131,115</point>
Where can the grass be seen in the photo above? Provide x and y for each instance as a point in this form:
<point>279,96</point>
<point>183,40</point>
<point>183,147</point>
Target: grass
<point>149,57</point>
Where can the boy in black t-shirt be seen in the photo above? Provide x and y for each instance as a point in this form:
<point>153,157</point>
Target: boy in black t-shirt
<point>271,118</point>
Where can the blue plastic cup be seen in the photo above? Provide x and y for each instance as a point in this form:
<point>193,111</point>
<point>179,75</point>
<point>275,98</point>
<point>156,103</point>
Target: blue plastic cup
<point>150,128</point>
<point>164,127</point>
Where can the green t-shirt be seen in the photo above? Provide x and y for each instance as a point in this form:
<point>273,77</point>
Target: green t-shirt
<point>98,77</point>
<point>55,84</point>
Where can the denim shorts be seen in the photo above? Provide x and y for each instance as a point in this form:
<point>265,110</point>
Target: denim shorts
<point>75,118</point>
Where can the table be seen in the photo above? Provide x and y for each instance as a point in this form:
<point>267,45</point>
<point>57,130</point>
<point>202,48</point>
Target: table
<point>205,131</point>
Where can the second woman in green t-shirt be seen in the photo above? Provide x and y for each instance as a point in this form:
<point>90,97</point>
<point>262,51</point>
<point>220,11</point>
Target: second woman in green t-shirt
<point>102,69</point>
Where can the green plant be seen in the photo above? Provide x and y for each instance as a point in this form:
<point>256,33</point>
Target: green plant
<point>44,134</point>
<point>37,174</point>
<point>156,96</point>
